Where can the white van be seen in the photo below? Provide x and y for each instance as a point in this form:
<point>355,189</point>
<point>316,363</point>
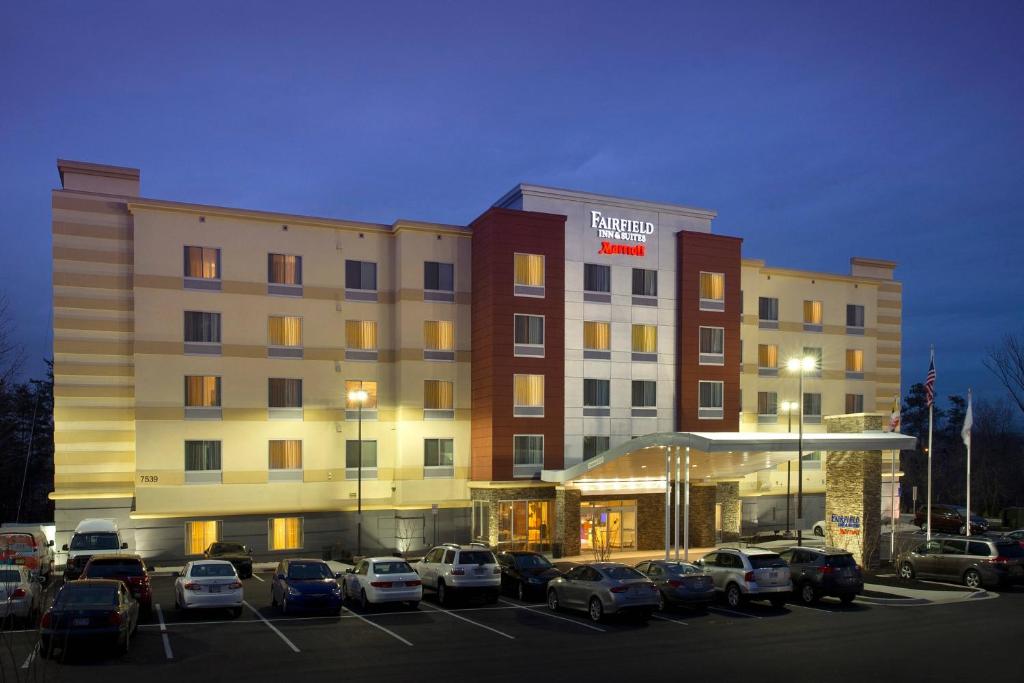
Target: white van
<point>92,537</point>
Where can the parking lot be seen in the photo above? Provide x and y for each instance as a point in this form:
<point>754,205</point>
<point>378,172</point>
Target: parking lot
<point>513,638</point>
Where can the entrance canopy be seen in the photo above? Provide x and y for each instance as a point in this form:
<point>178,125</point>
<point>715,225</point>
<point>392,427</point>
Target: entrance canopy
<point>717,455</point>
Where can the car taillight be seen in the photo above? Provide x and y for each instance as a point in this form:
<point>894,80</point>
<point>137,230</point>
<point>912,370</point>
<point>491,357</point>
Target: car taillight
<point>235,585</point>
<point>191,586</point>
<point>999,560</point>
<point>18,593</point>
<point>114,618</point>
<point>458,572</point>
<point>46,620</point>
<point>619,589</point>
<point>675,583</point>
<point>413,583</point>
<point>383,584</point>
<point>825,569</point>
<point>749,576</point>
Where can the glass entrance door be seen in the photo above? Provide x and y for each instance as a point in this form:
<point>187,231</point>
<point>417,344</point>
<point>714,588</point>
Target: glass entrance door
<point>608,522</point>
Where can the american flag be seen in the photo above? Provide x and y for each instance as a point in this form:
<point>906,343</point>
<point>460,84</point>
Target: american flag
<point>929,382</point>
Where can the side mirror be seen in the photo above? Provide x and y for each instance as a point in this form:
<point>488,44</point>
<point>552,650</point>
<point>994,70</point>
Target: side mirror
<point>338,575</point>
<point>280,577</point>
<point>124,546</point>
<point>64,547</point>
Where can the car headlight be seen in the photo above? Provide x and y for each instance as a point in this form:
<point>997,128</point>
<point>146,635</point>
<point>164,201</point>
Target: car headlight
<point>292,592</point>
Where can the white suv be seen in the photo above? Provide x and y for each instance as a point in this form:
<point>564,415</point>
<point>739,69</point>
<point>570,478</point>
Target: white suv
<point>748,573</point>
<point>452,568</point>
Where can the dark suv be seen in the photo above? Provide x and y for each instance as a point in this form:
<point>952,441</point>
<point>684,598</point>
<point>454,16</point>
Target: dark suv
<point>950,519</point>
<point>235,553</point>
<point>818,572</point>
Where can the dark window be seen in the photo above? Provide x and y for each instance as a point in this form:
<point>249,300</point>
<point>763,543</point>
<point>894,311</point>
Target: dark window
<point>309,571</point>
<point>202,327</point>
<point>592,445</point>
<point>589,574</point>
<point>978,548</point>
<point>767,308</point>
<point>529,329</point>
<point>476,557</point>
<point>532,562</point>
<point>202,455</point>
<point>954,547</point>
<point>75,593</point>
<point>284,393</point>
<point>680,569</point>
<point>439,276</point>
<point>645,282</point>
<point>439,453</point>
<point>621,573</point>
<point>392,568</point>
<point>840,561</point>
<point>95,541</point>
<point>352,454</point>
<point>449,557</point>
<point>360,275</point>
<point>854,403</point>
<point>597,278</point>
<point>596,392</point>
<point>766,561</point>
<point>1012,550</point>
<point>854,315</point>
<point>812,404</point>
<point>644,393</point>
<point>100,569</point>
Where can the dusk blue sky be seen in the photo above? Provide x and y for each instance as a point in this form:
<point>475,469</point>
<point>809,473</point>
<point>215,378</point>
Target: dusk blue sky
<point>818,131</point>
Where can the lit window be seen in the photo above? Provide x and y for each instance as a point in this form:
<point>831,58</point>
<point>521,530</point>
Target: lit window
<point>597,336</point>
<point>438,335</point>
<point>284,533</point>
<point>710,400</point>
<point>352,459</point>
<point>284,269</point>
<point>528,396</point>
<point>361,385</point>
<point>202,391</point>
<point>527,455</point>
<point>200,534</point>
<point>439,457</point>
<point>528,335</point>
<point>768,312</point>
<point>712,291</point>
<point>645,341</point>
<point>285,331</point>
<point>812,408</point>
<point>767,404</point>
<point>712,346</point>
<point>812,316</point>
<point>854,403</point>
<point>594,445</point>
<point>645,393</point>
<point>285,454</point>
<point>524,525</point>
<point>529,275</point>
<point>438,399</point>
<point>361,335</point>
<point>202,263</point>
<point>854,362</point>
<point>361,275</point>
<point>854,319</point>
<point>597,278</point>
<point>645,282</point>
<point>767,359</point>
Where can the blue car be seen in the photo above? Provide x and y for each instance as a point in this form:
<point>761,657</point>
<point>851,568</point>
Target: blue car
<point>305,585</point>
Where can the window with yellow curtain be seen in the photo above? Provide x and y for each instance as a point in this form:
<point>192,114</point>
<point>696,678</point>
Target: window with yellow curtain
<point>597,335</point>
<point>361,334</point>
<point>285,330</point>
<point>438,395</point>
<point>529,270</point>
<point>645,338</point>
<point>528,390</point>
<point>284,269</point>
<point>712,286</point>
<point>199,535</point>
<point>812,312</point>
<point>768,356</point>
<point>284,533</point>
<point>202,391</point>
<point>286,454</point>
<point>356,385</point>
<point>439,335</point>
<point>854,360</point>
<point>202,262</point>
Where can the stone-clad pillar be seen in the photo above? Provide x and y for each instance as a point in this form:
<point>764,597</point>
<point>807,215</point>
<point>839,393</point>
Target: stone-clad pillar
<point>727,494</point>
<point>567,522</point>
<point>702,516</point>
<point>853,492</point>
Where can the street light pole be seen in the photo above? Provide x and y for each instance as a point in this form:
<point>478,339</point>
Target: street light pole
<point>800,365</point>
<point>789,465</point>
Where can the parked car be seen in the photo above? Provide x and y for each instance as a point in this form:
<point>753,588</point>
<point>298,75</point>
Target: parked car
<point>130,569</point>
<point>818,572</point>
<point>950,519</point>
<point>451,569</point>
<point>21,596</point>
<point>679,583</point>
<point>29,546</point>
<point>1017,535</point>
<point>603,588</point>
<point>975,561</point>
<point>305,585</point>
<point>748,574</point>
<point>92,537</point>
<point>235,553</point>
<point>89,611</point>
<point>209,584</point>
<point>377,580</point>
<point>525,574</point>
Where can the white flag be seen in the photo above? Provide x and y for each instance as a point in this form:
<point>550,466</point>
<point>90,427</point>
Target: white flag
<point>965,433</point>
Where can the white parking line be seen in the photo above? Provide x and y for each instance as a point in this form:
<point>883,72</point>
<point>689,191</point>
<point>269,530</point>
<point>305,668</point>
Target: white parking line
<point>469,621</point>
<point>31,657</point>
<point>675,621</point>
<point>272,627</point>
<point>376,625</point>
<point>163,632</point>
<point>257,577</point>
<point>729,611</point>
<point>813,609</point>
<point>547,613</point>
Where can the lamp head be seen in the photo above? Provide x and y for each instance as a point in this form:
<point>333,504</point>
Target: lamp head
<point>358,396</point>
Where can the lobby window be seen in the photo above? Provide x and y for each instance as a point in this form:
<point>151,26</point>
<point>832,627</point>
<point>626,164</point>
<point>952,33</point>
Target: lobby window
<point>645,286</point>
<point>812,316</point>
<point>284,274</point>
<point>815,353</point>
<point>199,534</point>
<point>202,333</point>
<point>712,346</point>
<point>854,364</point>
<point>352,459</point>
<point>767,407</point>
<point>438,340</point>
<point>481,522</point>
<point>285,460</point>
<point>360,340</point>
<point>768,313</point>
<point>595,445</point>
<point>202,397</point>
<point>369,405</point>
<point>645,398</point>
<point>812,408</point>
<point>284,533</point>
<point>202,268</point>
<point>284,336</point>
<point>438,458</point>
<point>597,283</point>
<point>438,281</point>
<point>597,340</point>
<point>529,275</point>
<point>524,525</point>
<point>284,398</point>
<point>596,397</point>
<point>710,400</point>
<point>528,396</point>
<point>854,403</point>
<point>360,280</point>
<point>527,455</point>
<point>645,343</point>
<point>712,291</point>
<point>768,360</point>
<point>854,319</point>
<point>438,400</point>
<point>202,462</point>
<point>529,335</point>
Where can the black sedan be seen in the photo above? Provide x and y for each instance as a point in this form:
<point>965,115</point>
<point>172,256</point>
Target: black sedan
<point>525,574</point>
<point>679,583</point>
<point>235,553</point>
<point>94,611</point>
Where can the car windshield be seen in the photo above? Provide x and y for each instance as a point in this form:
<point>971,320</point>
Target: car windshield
<point>200,570</point>
<point>476,557</point>
<point>103,540</point>
<point>621,573</point>
<point>840,561</point>
<point>10,576</point>
<point>76,594</point>
<point>680,569</point>
<point>19,543</point>
<point>229,548</point>
<point>103,569</point>
<point>1010,549</point>
<point>532,562</point>
<point>393,567</point>
<point>309,571</point>
<point>766,561</point>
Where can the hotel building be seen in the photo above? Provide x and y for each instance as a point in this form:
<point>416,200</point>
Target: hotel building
<point>518,372</point>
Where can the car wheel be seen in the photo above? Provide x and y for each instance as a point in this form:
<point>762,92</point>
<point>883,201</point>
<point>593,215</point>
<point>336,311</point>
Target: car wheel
<point>596,610</point>
<point>733,595</point>
<point>906,571</point>
<point>236,612</point>
<point>126,645</point>
<point>364,604</point>
<point>972,579</point>
<point>415,604</point>
<point>553,600</point>
<point>284,604</point>
<point>273,598</point>
<point>808,595</point>
<point>520,591</point>
<point>846,599</point>
<point>442,594</point>
<point>661,602</point>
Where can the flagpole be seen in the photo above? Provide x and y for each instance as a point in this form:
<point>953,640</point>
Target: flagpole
<point>968,430</point>
<point>893,513</point>
<point>928,511</point>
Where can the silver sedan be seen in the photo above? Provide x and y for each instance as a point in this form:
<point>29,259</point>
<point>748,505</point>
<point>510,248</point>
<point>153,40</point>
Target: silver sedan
<point>601,588</point>
<point>20,593</point>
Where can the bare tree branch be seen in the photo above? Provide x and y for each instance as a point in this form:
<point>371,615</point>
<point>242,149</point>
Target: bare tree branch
<point>1006,361</point>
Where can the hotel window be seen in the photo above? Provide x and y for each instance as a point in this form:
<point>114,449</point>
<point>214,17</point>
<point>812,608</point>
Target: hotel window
<point>352,459</point>
<point>529,335</point>
<point>481,523</point>
<point>200,534</point>
<point>712,346</point>
<point>202,397</point>
<point>597,283</point>
<point>854,364</point>
<point>854,403</point>
<point>597,340</point>
<point>284,533</point>
<point>369,405</point>
<point>202,268</point>
<point>854,319</point>
<point>284,334</point>
<point>438,400</point>
<point>645,342</point>
<point>284,398</point>
<point>285,460</point>
<point>712,291</point>
<point>596,397</point>
<point>527,455</point>
<point>438,281</point>
<point>645,398</point>
<point>360,280</point>
<point>528,396</point>
<point>815,353</point>
<point>768,313</point>
<point>812,316</point>
<point>202,333</point>
<point>438,340</point>
<point>768,360</point>
<point>710,400</point>
<point>812,409</point>
<point>529,275</point>
<point>284,274</point>
<point>524,525</point>
<point>645,285</point>
<point>438,458</point>
<point>360,340</point>
<point>594,445</point>
<point>767,407</point>
<point>202,462</point>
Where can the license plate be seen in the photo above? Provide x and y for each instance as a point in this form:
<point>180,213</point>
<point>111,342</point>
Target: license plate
<point>215,589</point>
<point>773,575</point>
<point>478,571</point>
<point>80,622</point>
